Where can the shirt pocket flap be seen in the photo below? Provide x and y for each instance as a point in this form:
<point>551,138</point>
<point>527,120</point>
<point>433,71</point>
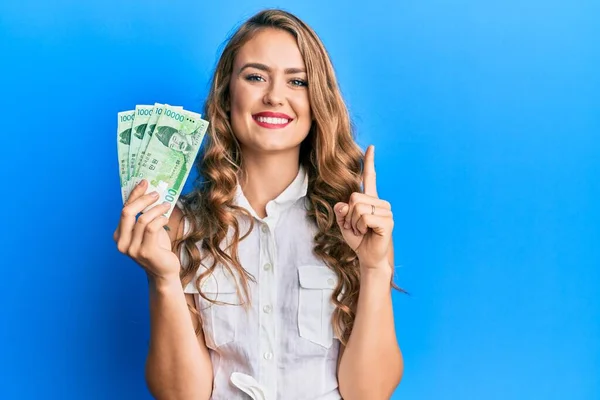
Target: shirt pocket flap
<point>218,282</point>
<point>317,277</point>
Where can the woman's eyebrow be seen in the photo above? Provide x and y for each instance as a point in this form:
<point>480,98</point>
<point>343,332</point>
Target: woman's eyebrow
<point>266,68</point>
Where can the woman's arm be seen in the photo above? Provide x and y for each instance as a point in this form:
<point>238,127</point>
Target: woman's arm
<point>178,365</point>
<point>371,365</point>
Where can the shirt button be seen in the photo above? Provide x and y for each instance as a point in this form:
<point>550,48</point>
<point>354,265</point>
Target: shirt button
<point>330,281</point>
<point>267,266</point>
<point>267,309</point>
<point>265,228</point>
<point>268,355</point>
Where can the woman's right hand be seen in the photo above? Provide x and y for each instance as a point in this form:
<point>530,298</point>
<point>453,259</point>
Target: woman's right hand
<point>145,240</point>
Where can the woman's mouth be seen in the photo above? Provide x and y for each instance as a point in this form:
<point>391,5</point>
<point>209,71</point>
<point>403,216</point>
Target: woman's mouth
<point>272,120</point>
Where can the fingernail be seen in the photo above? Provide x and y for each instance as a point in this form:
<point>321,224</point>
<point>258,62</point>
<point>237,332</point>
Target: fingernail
<point>154,194</point>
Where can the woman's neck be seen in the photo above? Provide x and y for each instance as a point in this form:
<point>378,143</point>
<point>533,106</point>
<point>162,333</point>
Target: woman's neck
<point>265,178</point>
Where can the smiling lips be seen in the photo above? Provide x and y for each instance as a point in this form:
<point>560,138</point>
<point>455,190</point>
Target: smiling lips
<point>272,120</point>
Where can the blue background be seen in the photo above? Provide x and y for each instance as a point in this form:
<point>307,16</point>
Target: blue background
<point>486,119</point>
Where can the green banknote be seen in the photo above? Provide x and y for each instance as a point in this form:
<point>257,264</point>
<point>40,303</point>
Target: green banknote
<point>138,128</point>
<point>125,120</point>
<point>156,113</point>
<point>170,154</point>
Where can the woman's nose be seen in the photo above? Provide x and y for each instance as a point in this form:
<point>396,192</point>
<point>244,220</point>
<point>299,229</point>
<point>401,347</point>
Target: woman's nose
<point>274,95</point>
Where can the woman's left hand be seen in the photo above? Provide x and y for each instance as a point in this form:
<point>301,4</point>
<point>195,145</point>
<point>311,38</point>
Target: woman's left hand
<point>366,221</point>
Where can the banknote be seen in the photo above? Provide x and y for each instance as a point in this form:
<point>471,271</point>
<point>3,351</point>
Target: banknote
<point>171,152</point>
<point>156,113</point>
<point>124,124</point>
<point>138,128</point>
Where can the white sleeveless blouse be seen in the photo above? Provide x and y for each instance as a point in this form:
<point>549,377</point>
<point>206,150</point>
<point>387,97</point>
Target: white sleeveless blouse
<point>283,347</point>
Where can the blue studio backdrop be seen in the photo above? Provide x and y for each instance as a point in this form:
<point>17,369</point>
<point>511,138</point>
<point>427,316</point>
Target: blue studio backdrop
<point>486,120</point>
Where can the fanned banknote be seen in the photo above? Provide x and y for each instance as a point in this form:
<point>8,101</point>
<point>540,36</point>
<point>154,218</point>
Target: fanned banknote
<point>171,153</point>
<point>125,120</point>
<point>165,152</point>
<point>156,113</point>
<point>138,128</point>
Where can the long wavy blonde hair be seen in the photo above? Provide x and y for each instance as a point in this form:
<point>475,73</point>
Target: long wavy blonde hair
<point>329,154</point>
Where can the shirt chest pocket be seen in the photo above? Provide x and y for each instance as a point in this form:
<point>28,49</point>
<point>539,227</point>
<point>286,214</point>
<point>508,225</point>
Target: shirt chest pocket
<point>315,307</point>
<point>220,321</point>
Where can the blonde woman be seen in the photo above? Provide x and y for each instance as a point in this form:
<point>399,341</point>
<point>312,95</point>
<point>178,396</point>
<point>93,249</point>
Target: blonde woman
<point>272,278</point>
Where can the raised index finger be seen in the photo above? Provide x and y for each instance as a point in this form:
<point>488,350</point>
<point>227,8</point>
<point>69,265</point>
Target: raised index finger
<point>369,181</point>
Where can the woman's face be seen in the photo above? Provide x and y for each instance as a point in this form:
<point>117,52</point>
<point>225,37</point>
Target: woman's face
<point>270,109</point>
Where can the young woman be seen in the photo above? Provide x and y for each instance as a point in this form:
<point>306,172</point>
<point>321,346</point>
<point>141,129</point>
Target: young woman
<point>272,278</point>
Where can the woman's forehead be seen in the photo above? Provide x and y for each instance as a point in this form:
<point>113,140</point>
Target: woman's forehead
<point>274,48</point>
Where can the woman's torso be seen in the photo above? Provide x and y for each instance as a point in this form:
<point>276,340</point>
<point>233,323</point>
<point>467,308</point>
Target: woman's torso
<point>283,345</point>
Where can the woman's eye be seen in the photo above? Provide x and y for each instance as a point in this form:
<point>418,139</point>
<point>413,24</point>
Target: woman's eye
<point>255,78</point>
<point>299,82</point>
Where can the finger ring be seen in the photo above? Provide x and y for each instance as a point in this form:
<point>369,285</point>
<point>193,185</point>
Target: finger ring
<point>372,209</point>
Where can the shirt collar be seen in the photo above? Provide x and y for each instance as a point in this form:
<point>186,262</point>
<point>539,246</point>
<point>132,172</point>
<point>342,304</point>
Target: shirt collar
<point>295,191</point>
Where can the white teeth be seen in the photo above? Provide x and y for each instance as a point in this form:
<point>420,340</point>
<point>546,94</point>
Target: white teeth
<point>274,121</point>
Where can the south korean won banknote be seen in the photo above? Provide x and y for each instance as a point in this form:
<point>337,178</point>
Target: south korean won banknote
<point>170,154</point>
